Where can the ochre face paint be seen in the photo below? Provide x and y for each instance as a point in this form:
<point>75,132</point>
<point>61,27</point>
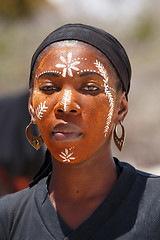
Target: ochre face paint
<point>74,100</point>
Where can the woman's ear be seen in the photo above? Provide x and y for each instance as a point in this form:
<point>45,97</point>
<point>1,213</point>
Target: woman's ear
<point>121,107</point>
<point>31,109</point>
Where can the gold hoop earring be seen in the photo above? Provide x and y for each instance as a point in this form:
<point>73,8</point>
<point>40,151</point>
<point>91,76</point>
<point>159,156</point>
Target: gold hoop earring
<point>36,142</point>
<point>119,141</point>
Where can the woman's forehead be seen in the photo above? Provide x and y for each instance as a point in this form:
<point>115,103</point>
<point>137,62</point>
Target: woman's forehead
<point>74,57</point>
<point>77,49</point>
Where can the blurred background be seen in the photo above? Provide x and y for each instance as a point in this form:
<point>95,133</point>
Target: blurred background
<point>25,23</point>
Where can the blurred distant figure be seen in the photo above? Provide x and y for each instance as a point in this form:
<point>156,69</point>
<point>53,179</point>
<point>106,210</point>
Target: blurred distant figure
<point>18,160</point>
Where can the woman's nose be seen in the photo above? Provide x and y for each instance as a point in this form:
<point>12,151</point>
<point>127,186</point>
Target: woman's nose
<point>66,104</point>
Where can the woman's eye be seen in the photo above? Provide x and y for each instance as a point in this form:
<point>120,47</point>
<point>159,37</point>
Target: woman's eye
<point>49,89</point>
<point>90,88</point>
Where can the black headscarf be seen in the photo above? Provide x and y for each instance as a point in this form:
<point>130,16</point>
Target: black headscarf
<point>96,37</point>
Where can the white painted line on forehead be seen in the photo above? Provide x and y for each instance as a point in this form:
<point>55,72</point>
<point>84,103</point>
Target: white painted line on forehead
<point>75,59</point>
<point>87,70</point>
<point>102,70</point>
<point>49,72</point>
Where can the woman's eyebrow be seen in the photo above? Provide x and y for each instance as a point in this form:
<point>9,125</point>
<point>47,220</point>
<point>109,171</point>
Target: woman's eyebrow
<point>46,74</point>
<point>90,73</point>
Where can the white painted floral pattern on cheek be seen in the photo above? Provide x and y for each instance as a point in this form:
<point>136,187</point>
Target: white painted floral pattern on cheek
<point>108,94</point>
<point>66,100</point>
<point>41,109</point>
<point>66,156</point>
<point>68,65</point>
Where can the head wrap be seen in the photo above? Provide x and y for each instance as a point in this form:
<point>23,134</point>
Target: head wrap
<point>96,37</point>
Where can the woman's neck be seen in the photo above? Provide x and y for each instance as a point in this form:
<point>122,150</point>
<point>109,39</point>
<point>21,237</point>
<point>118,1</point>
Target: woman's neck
<point>88,179</point>
<point>76,190</point>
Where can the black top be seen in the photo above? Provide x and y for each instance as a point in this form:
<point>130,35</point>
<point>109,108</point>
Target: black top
<point>130,211</point>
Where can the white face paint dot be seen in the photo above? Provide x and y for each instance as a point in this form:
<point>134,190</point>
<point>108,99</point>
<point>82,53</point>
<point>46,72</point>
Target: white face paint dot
<point>78,106</point>
<point>71,148</point>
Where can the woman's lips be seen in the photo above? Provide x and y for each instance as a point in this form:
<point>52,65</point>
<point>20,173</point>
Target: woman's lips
<point>64,137</point>
<point>66,132</point>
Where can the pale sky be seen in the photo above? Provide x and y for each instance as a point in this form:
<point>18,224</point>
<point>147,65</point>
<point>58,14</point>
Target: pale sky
<point>123,10</point>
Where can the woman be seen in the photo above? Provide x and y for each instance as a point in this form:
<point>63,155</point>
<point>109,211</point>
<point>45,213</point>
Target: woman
<point>79,83</point>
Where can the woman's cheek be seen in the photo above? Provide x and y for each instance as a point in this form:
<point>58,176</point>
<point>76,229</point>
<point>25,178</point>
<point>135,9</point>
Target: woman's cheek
<point>41,106</point>
<point>41,109</point>
<point>105,115</point>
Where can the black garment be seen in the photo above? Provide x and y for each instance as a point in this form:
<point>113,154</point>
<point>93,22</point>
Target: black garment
<point>131,211</point>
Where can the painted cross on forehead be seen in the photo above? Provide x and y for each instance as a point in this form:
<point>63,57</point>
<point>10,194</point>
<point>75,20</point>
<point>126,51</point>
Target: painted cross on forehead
<point>68,66</point>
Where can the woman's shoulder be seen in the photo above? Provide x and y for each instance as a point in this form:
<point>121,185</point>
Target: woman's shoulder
<point>139,173</point>
<point>143,181</point>
<point>13,202</point>
<point>10,205</point>
<point>14,198</point>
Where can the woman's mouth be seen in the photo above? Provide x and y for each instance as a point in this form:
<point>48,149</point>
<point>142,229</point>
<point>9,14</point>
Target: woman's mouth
<point>66,132</point>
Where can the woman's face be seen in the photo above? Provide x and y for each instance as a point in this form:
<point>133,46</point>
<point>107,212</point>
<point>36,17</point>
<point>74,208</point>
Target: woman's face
<point>74,101</point>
